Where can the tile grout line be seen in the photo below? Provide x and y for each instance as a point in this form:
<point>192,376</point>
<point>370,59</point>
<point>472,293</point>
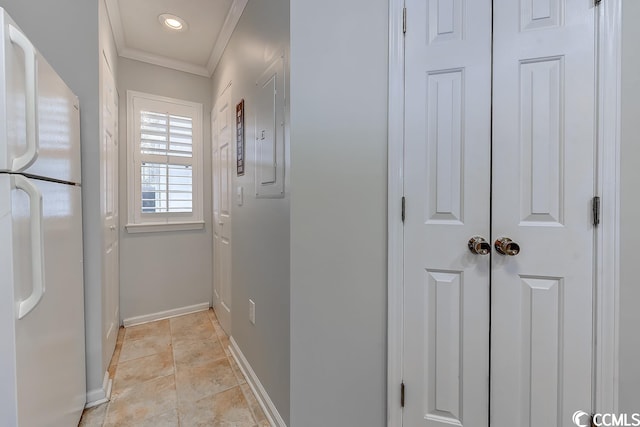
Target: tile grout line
<point>116,361</point>
<point>231,362</point>
<point>120,362</point>
<point>175,375</point>
<point>220,337</point>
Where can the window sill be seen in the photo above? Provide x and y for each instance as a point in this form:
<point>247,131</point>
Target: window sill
<point>157,227</point>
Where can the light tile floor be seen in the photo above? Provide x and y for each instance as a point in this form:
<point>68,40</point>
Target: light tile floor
<point>176,372</point>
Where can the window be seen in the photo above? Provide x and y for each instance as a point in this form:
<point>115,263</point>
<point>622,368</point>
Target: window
<point>165,163</point>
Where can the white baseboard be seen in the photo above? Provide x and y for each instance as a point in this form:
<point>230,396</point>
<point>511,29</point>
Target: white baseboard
<point>270,410</point>
<point>101,395</point>
<point>139,320</point>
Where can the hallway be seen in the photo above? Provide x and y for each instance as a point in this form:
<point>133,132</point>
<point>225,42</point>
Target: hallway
<point>176,372</point>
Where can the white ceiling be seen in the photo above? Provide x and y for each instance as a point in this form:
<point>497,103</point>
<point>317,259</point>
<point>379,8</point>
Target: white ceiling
<point>139,35</point>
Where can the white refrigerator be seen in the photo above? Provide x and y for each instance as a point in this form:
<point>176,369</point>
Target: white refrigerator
<point>42,342</point>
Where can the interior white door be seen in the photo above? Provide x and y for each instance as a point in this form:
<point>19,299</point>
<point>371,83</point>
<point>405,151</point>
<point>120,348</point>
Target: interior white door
<point>222,189</point>
<point>215,188</point>
<point>542,140</point>
<point>447,184</point>
<point>544,148</point>
<point>111,288</point>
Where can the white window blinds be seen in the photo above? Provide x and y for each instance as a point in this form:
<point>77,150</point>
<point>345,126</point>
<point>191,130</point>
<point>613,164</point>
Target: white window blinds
<point>165,174</point>
<point>166,148</point>
<point>165,134</point>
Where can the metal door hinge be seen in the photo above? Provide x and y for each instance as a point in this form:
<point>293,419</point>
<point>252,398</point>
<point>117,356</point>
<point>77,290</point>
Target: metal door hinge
<point>403,208</point>
<point>404,20</point>
<point>402,395</point>
<point>595,207</point>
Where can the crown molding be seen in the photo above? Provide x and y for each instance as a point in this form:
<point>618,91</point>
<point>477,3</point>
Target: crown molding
<point>230,22</point>
<point>113,11</point>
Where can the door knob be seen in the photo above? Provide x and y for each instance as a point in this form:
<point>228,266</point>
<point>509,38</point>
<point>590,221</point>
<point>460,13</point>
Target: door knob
<point>506,246</point>
<point>479,246</point>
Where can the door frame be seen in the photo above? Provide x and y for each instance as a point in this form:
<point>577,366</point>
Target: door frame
<point>606,289</point>
<point>606,305</point>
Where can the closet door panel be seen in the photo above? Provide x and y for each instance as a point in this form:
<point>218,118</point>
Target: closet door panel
<point>543,180</point>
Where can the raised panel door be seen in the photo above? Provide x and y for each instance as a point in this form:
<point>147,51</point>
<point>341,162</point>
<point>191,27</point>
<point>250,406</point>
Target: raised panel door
<point>544,147</point>
<point>499,142</point>
<point>223,181</point>
<point>447,190</point>
<point>109,203</point>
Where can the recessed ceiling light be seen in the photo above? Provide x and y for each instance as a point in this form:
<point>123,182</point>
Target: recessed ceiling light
<point>172,22</point>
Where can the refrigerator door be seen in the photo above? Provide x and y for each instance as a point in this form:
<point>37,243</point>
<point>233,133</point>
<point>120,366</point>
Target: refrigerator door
<point>42,380</point>
<point>39,115</point>
<point>8,397</point>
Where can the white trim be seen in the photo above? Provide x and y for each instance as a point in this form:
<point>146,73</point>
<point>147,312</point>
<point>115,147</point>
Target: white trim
<point>164,226</point>
<point>230,22</point>
<point>607,263</point>
<point>163,61</point>
<point>172,221</point>
<point>269,409</point>
<point>395,230</point>
<point>139,320</point>
<point>167,99</point>
<point>100,395</point>
<point>113,10</point>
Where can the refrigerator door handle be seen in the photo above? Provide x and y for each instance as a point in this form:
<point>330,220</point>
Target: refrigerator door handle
<point>31,81</point>
<point>37,257</point>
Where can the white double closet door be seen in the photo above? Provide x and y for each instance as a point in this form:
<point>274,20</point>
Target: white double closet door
<point>500,142</point>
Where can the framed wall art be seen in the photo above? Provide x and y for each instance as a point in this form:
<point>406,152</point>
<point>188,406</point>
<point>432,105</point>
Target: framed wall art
<point>240,137</point>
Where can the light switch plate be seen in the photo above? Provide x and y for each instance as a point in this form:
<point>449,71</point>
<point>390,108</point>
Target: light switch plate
<point>239,195</point>
<point>252,312</point>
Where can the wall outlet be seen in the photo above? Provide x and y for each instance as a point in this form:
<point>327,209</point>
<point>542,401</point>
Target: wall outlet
<point>252,312</point>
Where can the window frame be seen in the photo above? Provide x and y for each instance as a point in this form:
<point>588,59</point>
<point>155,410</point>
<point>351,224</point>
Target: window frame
<point>137,221</point>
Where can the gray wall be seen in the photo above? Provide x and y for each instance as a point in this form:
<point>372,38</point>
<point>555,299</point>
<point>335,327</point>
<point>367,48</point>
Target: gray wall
<point>629,397</point>
<point>66,33</point>
<point>339,78</point>
<point>260,228</point>
<point>166,270</point>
